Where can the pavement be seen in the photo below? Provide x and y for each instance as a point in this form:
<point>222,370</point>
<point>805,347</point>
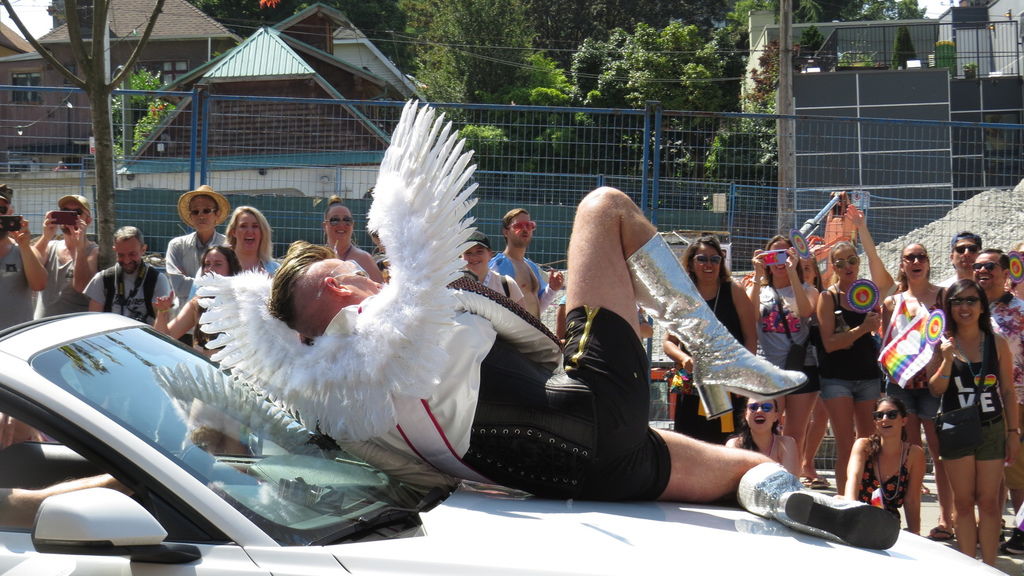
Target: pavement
<point>929,518</point>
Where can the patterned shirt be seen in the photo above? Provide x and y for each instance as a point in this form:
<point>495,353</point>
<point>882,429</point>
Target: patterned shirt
<point>1008,317</point>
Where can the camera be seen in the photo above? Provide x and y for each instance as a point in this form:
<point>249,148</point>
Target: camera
<point>10,223</point>
<point>774,257</point>
<point>65,217</point>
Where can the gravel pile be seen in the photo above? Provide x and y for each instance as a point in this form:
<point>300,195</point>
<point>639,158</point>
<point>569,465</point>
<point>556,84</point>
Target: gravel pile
<point>997,216</point>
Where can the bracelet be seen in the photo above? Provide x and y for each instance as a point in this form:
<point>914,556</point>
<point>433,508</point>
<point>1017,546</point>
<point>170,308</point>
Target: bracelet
<point>1016,430</point>
<point>943,376</point>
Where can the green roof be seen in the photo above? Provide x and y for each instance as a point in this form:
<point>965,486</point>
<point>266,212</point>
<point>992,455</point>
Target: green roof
<point>262,55</point>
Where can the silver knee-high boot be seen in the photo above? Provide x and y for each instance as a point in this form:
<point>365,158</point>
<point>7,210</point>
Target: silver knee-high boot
<point>720,363</point>
<point>768,490</point>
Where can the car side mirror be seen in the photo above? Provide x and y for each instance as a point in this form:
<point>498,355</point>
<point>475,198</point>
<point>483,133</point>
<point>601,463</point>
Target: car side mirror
<point>104,522</point>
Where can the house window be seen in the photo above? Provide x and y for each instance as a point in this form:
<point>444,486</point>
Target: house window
<point>26,79</point>
<point>170,71</point>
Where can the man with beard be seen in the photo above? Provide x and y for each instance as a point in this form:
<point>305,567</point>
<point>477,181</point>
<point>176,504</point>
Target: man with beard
<point>129,287</point>
<point>990,272</point>
<point>20,270</point>
<point>517,228</point>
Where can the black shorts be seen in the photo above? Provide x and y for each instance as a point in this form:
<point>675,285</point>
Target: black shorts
<point>579,434</point>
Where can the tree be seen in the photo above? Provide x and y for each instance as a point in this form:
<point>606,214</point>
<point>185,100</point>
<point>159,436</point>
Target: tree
<point>89,35</point>
<point>811,39</point>
<point>903,48</point>
<point>476,49</point>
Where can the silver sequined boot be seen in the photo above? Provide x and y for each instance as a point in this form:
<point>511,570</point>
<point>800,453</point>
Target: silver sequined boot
<point>768,490</point>
<point>720,363</point>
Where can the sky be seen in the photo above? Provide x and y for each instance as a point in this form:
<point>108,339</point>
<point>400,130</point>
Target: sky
<point>33,13</point>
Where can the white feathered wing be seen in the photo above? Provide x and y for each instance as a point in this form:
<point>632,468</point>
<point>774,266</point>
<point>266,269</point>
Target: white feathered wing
<point>345,384</point>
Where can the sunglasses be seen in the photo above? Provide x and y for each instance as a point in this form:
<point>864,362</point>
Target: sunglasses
<point>334,221</point>
<point>915,258</point>
<point>527,225</point>
<point>963,248</point>
<point>970,301</point>
<point>197,212</point>
<point>841,264</point>
<point>990,266</point>
<point>886,415</point>
<point>705,259</point>
<point>766,407</point>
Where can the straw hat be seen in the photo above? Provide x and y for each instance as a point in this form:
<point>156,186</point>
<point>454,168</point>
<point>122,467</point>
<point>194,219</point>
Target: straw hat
<point>223,206</point>
<point>82,201</point>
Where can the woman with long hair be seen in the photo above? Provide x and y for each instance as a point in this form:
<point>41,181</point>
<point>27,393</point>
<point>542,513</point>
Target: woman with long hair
<point>849,370</point>
<point>338,227</point>
<point>705,261</point>
<point>885,469</point>
<point>249,236</point>
<point>974,367</point>
<point>784,306</point>
<point>759,431</point>
<point>916,296</point>
<point>220,260</point>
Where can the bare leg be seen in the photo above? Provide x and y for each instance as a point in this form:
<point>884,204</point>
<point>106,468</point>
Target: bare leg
<point>962,480</point>
<point>703,472</point>
<point>840,412</point>
<point>988,486</point>
<point>945,493</point>
<point>862,419</point>
<point>799,408</point>
<point>815,433</point>
<point>607,229</point>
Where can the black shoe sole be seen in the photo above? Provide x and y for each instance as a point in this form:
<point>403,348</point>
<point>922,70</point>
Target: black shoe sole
<point>860,526</point>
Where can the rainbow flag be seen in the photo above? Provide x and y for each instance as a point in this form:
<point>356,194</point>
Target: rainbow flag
<point>907,353</point>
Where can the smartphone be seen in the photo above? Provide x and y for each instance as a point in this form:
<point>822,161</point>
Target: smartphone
<point>10,223</point>
<point>774,257</point>
<point>65,217</point>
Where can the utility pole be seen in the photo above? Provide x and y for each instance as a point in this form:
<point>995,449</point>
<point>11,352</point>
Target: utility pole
<point>786,127</point>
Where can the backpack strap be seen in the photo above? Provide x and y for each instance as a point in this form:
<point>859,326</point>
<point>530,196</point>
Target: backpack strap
<point>108,289</point>
<point>149,288</point>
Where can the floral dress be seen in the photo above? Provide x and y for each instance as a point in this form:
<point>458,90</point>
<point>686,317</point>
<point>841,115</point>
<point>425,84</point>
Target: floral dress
<point>890,494</point>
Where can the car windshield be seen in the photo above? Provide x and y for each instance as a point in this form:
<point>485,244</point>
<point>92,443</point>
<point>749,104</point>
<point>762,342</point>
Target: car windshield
<point>299,487</point>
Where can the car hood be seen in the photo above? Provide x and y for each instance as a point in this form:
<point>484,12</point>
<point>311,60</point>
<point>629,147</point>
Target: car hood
<point>498,532</point>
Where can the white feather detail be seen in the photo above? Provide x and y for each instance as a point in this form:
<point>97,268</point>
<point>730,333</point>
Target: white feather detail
<point>345,382</point>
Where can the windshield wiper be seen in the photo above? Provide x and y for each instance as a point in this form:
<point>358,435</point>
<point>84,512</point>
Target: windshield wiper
<point>385,517</point>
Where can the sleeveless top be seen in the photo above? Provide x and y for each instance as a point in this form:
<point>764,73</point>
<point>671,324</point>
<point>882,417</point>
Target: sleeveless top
<point>898,322</point>
<point>772,341</point>
<point>894,489</point>
<point>858,362</point>
<point>59,296</point>
<point>976,384</point>
<point>725,310</point>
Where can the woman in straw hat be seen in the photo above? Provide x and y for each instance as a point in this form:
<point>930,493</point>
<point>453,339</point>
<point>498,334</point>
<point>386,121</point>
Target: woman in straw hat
<point>202,209</point>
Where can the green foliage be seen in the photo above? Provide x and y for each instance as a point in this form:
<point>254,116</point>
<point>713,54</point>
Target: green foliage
<point>676,66</point>
<point>903,48</point>
<point>811,39</point>
<point>909,10</point>
<point>142,114</point>
<point>477,50</point>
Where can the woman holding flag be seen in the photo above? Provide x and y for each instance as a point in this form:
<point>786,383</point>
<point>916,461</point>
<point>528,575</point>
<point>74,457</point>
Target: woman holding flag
<point>916,299</point>
<point>975,368</point>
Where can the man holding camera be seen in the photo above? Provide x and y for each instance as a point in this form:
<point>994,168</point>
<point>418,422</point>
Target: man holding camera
<point>129,287</point>
<point>21,273</point>
<point>70,263</point>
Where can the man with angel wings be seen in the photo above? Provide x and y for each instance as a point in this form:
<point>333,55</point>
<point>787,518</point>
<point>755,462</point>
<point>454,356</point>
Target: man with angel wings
<point>432,381</point>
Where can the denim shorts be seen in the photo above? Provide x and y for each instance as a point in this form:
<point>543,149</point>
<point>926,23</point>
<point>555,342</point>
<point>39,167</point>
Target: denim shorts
<point>918,401</point>
<point>859,390</point>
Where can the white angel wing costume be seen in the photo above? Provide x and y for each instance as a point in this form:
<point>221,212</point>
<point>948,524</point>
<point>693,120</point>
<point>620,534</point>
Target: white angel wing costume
<point>346,383</point>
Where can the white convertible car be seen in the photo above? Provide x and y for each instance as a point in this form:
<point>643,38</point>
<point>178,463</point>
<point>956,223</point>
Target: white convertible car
<point>223,482</point>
